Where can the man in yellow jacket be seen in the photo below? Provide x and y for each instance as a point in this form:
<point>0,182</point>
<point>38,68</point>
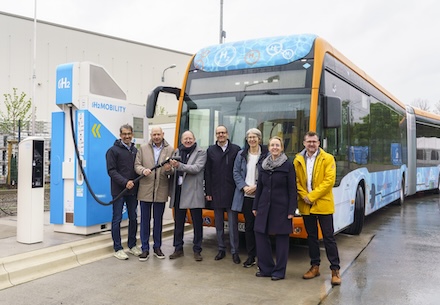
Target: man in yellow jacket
<point>315,177</point>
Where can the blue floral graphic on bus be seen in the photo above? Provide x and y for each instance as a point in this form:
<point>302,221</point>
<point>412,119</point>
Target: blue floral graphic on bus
<point>254,53</point>
<point>384,188</point>
<point>427,178</point>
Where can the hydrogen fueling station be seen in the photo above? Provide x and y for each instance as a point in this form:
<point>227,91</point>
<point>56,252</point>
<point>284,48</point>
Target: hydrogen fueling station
<point>30,194</point>
<point>92,109</point>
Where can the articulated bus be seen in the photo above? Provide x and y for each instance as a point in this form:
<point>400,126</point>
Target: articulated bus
<point>286,86</point>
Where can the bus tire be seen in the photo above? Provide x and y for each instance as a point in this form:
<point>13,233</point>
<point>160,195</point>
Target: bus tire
<point>359,213</point>
<point>401,200</point>
<point>437,190</point>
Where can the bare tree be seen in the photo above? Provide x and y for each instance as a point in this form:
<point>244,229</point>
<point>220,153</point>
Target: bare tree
<point>437,107</point>
<point>422,104</point>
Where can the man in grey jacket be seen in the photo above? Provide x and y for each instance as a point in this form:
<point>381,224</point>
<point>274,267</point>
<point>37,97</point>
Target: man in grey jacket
<point>187,192</point>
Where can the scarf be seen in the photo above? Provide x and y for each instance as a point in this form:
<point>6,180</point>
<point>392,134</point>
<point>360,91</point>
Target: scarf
<point>185,153</point>
<point>269,164</point>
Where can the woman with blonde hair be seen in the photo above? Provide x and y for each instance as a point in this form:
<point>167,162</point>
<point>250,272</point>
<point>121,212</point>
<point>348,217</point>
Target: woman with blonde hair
<point>274,207</point>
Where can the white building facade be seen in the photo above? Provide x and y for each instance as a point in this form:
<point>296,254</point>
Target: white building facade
<point>137,68</point>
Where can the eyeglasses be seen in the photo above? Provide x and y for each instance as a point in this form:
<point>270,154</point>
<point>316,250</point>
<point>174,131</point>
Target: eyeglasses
<point>125,134</point>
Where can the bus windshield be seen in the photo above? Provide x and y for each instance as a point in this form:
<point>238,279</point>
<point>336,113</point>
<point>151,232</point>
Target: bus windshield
<point>270,103</point>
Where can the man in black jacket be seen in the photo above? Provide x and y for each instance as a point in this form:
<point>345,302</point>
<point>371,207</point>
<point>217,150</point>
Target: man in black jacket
<point>220,187</point>
<point>120,167</point>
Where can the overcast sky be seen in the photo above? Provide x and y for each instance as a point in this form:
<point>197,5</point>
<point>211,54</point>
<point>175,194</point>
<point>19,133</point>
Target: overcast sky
<point>396,42</point>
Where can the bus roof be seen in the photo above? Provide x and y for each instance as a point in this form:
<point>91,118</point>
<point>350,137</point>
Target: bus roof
<point>280,50</point>
<point>254,53</point>
<point>420,113</point>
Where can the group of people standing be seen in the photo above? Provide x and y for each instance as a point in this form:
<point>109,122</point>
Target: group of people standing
<point>259,181</point>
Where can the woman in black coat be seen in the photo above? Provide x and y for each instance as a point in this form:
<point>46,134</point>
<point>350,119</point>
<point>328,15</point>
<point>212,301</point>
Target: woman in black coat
<point>274,206</point>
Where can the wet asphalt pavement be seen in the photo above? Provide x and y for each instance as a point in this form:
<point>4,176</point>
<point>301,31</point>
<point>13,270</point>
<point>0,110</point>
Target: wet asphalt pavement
<point>401,264</point>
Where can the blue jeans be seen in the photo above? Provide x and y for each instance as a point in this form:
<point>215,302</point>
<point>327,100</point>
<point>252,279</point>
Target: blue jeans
<point>158,209</point>
<point>131,204</point>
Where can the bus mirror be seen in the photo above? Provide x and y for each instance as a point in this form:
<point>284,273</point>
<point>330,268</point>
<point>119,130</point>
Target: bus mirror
<point>332,112</point>
<point>151,103</point>
<point>153,95</point>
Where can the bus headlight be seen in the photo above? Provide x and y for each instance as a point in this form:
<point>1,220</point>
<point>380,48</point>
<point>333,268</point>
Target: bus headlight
<point>297,230</point>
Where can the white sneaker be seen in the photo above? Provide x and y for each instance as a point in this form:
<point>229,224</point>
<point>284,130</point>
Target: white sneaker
<point>136,251</point>
<point>120,255</point>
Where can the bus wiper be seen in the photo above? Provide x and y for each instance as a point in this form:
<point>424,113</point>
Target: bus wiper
<point>242,95</point>
<point>270,92</point>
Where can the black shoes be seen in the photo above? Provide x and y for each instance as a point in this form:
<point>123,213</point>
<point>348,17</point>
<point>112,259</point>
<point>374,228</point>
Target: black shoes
<point>220,255</point>
<point>176,254</point>
<point>249,262</point>
<point>273,278</point>
<point>144,256</point>
<point>259,274</point>
<point>236,258</point>
<point>158,253</point>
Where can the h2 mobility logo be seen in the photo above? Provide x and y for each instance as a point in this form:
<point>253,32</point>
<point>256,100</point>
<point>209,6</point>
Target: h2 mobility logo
<point>63,83</point>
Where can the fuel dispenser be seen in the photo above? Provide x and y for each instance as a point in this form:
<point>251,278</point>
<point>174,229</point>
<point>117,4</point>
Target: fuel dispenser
<point>30,192</point>
<point>92,109</point>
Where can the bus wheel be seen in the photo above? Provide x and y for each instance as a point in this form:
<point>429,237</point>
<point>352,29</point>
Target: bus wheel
<point>437,191</point>
<point>402,193</point>
<point>359,213</point>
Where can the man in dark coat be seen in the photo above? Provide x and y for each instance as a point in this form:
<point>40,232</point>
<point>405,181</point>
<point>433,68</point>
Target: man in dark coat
<point>220,187</point>
<point>120,167</point>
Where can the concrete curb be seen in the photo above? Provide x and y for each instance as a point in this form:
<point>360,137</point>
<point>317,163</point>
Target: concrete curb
<point>25,267</point>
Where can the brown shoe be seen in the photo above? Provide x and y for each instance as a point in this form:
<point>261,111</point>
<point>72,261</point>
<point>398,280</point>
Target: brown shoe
<point>313,272</point>
<point>336,278</point>
<point>198,257</point>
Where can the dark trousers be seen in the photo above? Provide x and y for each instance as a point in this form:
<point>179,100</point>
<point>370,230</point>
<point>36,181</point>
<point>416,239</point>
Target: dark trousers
<point>331,249</point>
<point>219,216</point>
<point>264,253</point>
<point>249,220</point>
<point>158,210</point>
<point>179,225</point>
<point>131,204</point>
